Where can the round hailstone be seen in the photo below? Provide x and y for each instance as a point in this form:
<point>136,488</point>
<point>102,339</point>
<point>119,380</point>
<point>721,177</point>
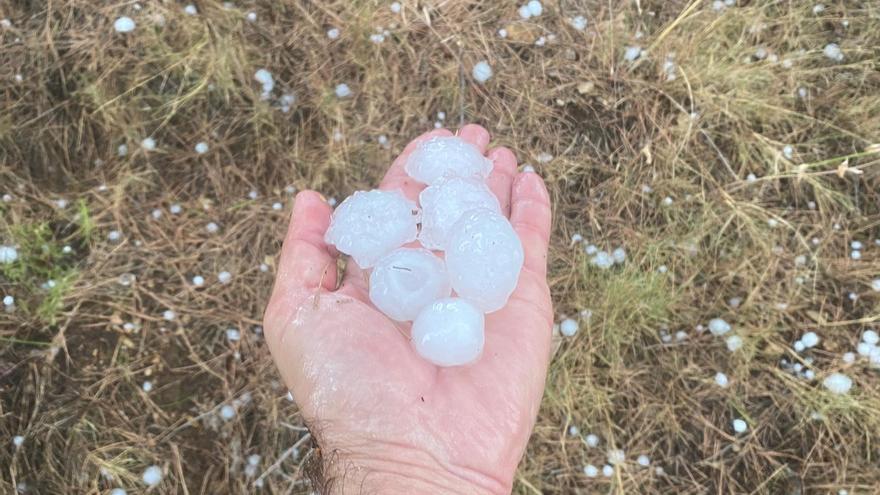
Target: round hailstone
<point>191,9</point>
<point>152,475</point>
<point>224,277</point>
<point>591,471</point>
<point>734,343</point>
<point>8,300</point>
<point>446,156</point>
<point>568,327</point>
<point>227,412</point>
<point>201,148</point>
<point>592,440</point>
<point>740,426</point>
<point>607,471</point>
<point>524,11</point>
<point>799,346</point>
<point>849,357</point>
<point>721,380</point>
<point>175,209</point>
<point>484,257</point>
<point>875,285</point>
<point>870,337</point>
<point>856,255</point>
<point>117,491</point>
<point>18,441</point>
<point>632,53</point>
<point>574,431</point>
<point>8,254</point>
<point>251,16</point>
<point>212,227</point>
<point>333,33</point>
<point>482,71</point>
<point>169,315</point>
<point>395,7</point>
<point>535,8</point>
<point>602,260</point>
<point>277,206</point>
<point>619,255</point>
<point>444,203</point>
<point>233,335</point>
<point>864,349</point>
<point>643,460</point>
<point>147,386</point>
<point>449,332</point>
<point>810,339</point>
<point>342,90</point>
<point>406,281</point>
<point>370,224</point>
<point>838,383</point>
<point>718,327</point>
<point>578,22</point>
<point>576,238</point>
<point>148,144</point>
<point>124,25</point>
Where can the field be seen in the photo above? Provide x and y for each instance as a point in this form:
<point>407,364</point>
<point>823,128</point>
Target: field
<point>728,149</point>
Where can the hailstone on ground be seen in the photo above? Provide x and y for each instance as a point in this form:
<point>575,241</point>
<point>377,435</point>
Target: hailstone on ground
<point>446,156</point>
<point>444,203</point>
<point>369,225</point>
<point>449,332</point>
<point>484,257</point>
<point>406,281</point>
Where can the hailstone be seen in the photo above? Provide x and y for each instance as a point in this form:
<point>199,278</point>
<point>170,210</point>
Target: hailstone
<point>484,257</point>
<point>406,280</point>
<point>445,156</point>
<point>444,202</point>
<point>370,224</point>
<point>449,332</point>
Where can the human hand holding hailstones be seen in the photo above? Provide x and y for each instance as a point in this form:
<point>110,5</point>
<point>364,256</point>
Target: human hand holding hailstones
<point>406,385</point>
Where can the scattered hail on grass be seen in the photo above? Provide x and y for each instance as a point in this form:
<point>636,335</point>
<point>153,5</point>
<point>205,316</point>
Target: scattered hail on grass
<point>502,33</point>
<point>856,255</point>
<point>602,260</point>
<point>126,279</point>
<point>342,90</point>
<point>152,476</point>
<point>837,383</point>
<point>482,71</point>
<point>61,203</point>
<point>531,9</point>
<point>124,25</point>
<point>740,426</point>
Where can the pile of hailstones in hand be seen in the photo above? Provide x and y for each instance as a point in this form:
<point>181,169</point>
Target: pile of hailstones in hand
<point>460,217</point>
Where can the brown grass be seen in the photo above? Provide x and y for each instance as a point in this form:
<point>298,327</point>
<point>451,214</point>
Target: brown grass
<point>71,372</point>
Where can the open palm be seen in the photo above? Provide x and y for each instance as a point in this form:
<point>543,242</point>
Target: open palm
<point>386,419</point>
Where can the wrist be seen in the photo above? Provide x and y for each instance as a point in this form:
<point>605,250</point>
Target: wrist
<point>397,469</point>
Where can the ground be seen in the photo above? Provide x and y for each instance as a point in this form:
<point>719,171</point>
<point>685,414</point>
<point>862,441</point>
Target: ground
<point>717,93</point>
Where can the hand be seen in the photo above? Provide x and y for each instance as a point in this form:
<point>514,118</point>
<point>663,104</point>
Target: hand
<point>386,420</point>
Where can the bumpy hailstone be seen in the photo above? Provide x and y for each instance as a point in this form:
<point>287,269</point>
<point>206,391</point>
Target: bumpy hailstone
<point>152,475</point>
<point>370,224</point>
<point>124,25</point>
<point>838,383</point>
<point>8,254</point>
<point>568,327</point>
<point>446,201</point>
<point>449,332</point>
<point>740,426</point>
<point>482,71</point>
<point>446,156</point>
<point>406,281</point>
<point>810,339</point>
<point>718,326</point>
<point>484,257</point>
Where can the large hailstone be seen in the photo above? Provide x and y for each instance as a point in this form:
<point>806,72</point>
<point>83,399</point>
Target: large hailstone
<point>449,332</point>
<point>484,256</point>
<point>406,280</point>
<point>444,202</point>
<point>370,224</point>
<point>446,156</point>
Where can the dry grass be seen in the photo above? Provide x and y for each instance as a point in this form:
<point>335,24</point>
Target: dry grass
<point>71,370</point>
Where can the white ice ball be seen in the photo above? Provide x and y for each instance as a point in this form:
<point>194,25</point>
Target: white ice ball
<point>810,339</point>
<point>370,224</point>
<point>870,337</point>
<point>718,326</point>
<point>152,475</point>
<point>484,257</point>
<point>449,332</point>
<point>444,202</point>
<point>406,281</point>
<point>838,383</point>
<point>482,71</point>
<point>568,327</point>
<point>740,426</point>
<point>446,156</point>
<point>124,25</point>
